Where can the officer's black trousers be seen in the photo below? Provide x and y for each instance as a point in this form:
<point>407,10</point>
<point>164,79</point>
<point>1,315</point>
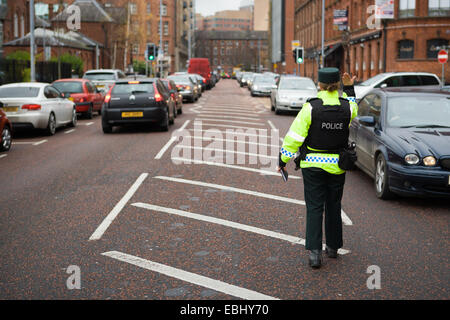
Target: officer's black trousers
<point>323,191</point>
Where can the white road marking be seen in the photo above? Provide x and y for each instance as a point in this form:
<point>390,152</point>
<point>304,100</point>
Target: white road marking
<point>345,218</point>
<point>226,151</point>
<point>164,149</point>
<point>190,277</point>
<point>235,133</point>
<point>231,224</point>
<point>227,126</point>
<point>98,233</point>
<point>23,142</point>
<point>184,125</point>
<point>230,166</point>
<point>240,113</point>
<point>195,109</point>
<point>227,117</point>
<point>272,125</point>
<point>88,124</point>
<point>230,121</point>
<point>69,131</point>
<point>3,155</point>
<point>39,142</point>
<point>237,141</point>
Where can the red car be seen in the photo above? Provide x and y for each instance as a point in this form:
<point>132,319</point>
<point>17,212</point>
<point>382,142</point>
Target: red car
<point>84,93</point>
<point>5,130</point>
<point>172,87</point>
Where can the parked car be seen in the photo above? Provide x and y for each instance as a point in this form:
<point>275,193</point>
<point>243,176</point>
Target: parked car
<point>143,101</point>
<point>6,131</point>
<point>201,66</point>
<point>87,97</point>
<point>200,80</point>
<point>245,78</point>
<point>37,105</point>
<point>402,141</point>
<point>176,95</point>
<point>446,88</point>
<point>263,85</point>
<point>251,79</point>
<point>291,93</point>
<point>103,79</point>
<point>187,86</point>
<point>398,79</point>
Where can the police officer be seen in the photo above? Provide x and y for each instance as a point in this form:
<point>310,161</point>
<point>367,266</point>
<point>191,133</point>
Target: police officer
<point>321,130</point>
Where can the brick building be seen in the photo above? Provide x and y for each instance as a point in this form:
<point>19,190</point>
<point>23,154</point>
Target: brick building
<point>409,42</point>
<point>14,22</point>
<point>228,20</point>
<point>228,49</point>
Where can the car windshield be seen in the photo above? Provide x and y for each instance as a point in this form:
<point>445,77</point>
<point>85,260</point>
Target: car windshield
<point>99,76</point>
<point>69,86</point>
<point>19,92</point>
<point>371,81</point>
<point>127,88</point>
<point>297,84</point>
<point>419,111</point>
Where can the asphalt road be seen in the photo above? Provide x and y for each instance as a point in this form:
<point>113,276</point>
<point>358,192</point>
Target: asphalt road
<point>141,225</point>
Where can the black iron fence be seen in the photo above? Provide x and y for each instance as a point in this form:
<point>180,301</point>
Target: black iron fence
<point>19,71</point>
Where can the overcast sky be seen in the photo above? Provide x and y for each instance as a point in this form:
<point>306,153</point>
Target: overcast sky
<point>208,7</point>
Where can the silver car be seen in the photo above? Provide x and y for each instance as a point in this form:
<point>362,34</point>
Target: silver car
<point>292,92</point>
<point>37,105</point>
<point>263,85</point>
<point>398,79</point>
<point>104,79</point>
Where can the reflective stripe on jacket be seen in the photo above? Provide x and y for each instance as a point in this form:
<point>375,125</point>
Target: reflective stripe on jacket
<point>299,131</point>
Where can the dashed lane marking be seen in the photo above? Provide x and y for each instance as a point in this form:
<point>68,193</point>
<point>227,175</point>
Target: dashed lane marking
<point>231,121</point>
<point>98,233</point>
<point>69,131</point>
<point>190,277</point>
<point>228,117</point>
<point>226,223</point>
<point>3,155</point>
<point>39,142</point>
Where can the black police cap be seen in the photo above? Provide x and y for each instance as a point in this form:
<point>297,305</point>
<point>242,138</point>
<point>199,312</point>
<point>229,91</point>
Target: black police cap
<point>329,75</point>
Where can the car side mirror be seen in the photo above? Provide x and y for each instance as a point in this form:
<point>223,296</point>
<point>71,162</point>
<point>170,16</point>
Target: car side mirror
<point>368,121</point>
<point>383,85</point>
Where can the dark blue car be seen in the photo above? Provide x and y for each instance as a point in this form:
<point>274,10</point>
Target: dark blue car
<point>403,141</point>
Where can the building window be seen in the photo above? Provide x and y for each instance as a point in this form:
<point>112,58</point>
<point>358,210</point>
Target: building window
<point>166,28</point>
<point>215,51</point>
<point>407,8</point>
<point>149,8</point>
<point>164,10</point>
<point>22,26</point>
<point>149,27</point>
<point>433,47</point>
<point>439,7</point>
<point>166,47</point>
<point>133,8</point>
<point>405,49</point>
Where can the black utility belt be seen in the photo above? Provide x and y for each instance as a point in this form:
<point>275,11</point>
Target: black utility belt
<point>347,156</point>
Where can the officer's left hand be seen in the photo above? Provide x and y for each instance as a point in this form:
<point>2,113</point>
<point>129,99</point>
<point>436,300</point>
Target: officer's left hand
<point>348,80</point>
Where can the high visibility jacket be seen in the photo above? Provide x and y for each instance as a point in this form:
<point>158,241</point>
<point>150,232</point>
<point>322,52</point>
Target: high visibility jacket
<point>298,132</point>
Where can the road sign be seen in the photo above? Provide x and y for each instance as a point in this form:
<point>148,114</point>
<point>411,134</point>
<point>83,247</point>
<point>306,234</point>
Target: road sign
<point>295,44</point>
<point>443,56</point>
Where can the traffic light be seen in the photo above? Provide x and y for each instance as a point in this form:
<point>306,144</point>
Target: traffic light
<point>152,51</point>
<point>299,57</point>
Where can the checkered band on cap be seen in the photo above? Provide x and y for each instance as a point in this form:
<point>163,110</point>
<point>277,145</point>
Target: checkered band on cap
<point>287,153</point>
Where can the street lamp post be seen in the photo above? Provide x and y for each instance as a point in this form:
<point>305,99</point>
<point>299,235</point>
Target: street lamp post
<point>323,34</point>
<point>32,65</point>
<point>160,53</point>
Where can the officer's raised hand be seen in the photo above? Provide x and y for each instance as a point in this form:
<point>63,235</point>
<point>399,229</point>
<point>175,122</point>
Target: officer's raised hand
<point>348,80</point>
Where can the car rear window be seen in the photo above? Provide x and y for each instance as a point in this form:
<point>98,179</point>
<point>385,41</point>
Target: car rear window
<point>100,76</point>
<point>180,79</point>
<point>297,84</point>
<point>429,81</point>
<point>69,86</point>
<point>19,92</point>
<point>133,88</point>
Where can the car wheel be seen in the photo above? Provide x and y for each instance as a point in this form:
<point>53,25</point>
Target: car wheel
<point>180,111</point>
<point>89,112</point>
<point>51,126</point>
<point>73,123</point>
<point>175,111</point>
<point>106,127</point>
<point>100,111</point>
<point>165,124</point>
<point>277,111</point>
<point>6,139</point>
<point>171,119</point>
<point>381,179</point>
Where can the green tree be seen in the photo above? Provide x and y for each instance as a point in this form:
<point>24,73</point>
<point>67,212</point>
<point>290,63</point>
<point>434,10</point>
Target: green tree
<point>19,55</point>
<point>75,61</point>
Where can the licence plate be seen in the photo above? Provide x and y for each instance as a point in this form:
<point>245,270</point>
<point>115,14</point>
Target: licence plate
<point>10,109</point>
<point>70,98</point>
<point>132,114</point>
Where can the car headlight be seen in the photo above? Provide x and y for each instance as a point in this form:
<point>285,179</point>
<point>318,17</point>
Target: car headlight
<point>429,161</point>
<point>412,159</point>
<point>255,87</point>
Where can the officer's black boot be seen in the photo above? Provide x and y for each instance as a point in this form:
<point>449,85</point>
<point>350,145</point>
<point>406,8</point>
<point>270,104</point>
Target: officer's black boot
<point>315,258</point>
<point>331,253</point>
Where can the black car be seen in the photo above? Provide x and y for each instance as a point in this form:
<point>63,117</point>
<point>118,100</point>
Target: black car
<point>403,141</point>
<point>143,101</point>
